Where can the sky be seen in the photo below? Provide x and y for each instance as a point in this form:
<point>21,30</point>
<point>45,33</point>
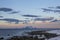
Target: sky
<point>35,13</point>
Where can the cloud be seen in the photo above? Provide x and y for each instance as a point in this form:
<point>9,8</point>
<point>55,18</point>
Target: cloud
<point>16,21</point>
<point>11,11</point>
<point>52,9</point>
<point>55,20</point>
<point>5,9</point>
<point>57,11</point>
<point>30,15</point>
<point>14,12</point>
<point>58,7</point>
<point>47,10</point>
<point>11,20</point>
<point>44,19</point>
<point>26,21</point>
<point>1,16</point>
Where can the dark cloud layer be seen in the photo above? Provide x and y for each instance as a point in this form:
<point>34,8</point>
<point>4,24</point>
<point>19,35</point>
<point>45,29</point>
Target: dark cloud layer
<point>43,19</point>
<point>58,11</point>
<point>11,20</point>
<point>30,15</point>
<point>5,9</point>
<point>16,21</point>
<point>47,10</point>
<point>14,12</point>
<point>10,10</point>
<point>52,9</point>
<point>58,7</point>
<point>55,20</point>
<point>1,16</point>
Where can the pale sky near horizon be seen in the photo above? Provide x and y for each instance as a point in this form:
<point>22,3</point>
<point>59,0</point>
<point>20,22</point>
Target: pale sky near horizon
<point>48,19</point>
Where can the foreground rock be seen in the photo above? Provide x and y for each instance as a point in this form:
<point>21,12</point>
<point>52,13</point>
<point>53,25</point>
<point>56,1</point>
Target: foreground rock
<point>1,38</point>
<point>35,35</point>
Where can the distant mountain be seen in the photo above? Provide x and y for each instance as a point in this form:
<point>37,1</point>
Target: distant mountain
<point>29,28</point>
<point>42,29</point>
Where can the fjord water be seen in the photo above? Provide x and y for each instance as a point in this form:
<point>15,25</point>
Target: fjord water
<point>20,32</point>
<point>12,32</point>
<point>7,32</point>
